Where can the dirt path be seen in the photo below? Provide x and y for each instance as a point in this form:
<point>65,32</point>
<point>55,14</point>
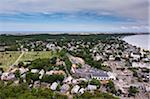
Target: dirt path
<point>15,63</point>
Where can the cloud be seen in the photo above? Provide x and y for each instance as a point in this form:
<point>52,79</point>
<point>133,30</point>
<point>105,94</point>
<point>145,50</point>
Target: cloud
<point>124,14</point>
<point>129,8</point>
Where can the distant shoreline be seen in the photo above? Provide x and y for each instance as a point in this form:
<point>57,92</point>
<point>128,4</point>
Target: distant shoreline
<point>141,42</point>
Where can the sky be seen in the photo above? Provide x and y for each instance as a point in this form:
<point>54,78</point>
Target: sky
<point>75,15</point>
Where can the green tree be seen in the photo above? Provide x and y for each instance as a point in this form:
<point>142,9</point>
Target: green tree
<point>111,87</point>
<point>95,82</point>
<point>133,91</point>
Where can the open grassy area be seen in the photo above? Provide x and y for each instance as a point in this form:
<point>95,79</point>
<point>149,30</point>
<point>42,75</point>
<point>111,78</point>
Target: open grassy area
<point>35,55</point>
<point>8,58</point>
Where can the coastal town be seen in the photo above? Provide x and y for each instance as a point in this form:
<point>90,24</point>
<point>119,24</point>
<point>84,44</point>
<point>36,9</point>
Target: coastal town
<point>79,67</point>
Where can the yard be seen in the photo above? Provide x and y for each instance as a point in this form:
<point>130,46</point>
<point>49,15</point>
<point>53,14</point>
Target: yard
<point>35,55</point>
<point>8,58</point>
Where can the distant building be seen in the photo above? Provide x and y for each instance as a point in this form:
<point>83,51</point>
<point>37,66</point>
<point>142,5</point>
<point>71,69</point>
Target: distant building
<point>141,65</point>
<point>2,49</point>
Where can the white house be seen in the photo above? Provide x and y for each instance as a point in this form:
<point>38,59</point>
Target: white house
<point>22,70</point>
<point>82,90</point>
<point>54,86</point>
<point>111,58</point>
<point>135,55</point>
<point>68,79</point>
<point>111,75</point>
<point>34,70</point>
<point>75,89</point>
<point>141,65</point>
<point>64,88</point>
<point>91,87</point>
<point>41,74</point>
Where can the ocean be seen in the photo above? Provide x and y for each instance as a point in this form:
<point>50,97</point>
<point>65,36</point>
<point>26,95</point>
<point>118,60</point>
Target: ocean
<point>142,41</point>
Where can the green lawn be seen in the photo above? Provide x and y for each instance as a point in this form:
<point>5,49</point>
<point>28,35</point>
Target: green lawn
<point>35,55</point>
<point>8,58</point>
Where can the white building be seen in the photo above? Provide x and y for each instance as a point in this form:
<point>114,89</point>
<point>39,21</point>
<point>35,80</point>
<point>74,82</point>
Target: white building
<point>91,87</point>
<point>54,86</point>
<point>82,90</point>
<point>75,89</point>
<point>68,79</point>
<point>111,75</point>
<point>41,74</point>
<point>64,88</point>
<point>34,70</point>
<point>135,56</point>
<point>141,65</point>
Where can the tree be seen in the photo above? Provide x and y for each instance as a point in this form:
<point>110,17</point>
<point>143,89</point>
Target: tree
<point>83,84</point>
<point>20,64</point>
<point>40,63</point>
<point>95,82</point>
<point>111,87</point>
<point>52,78</point>
<point>32,76</point>
<point>53,60</point>
<point>133,91</point>
<point>17,74</point>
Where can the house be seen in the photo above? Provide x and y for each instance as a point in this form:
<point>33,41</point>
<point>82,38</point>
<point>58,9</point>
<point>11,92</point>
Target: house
<point>68,79</point>
<point>22,70</point>
<point>147,88</point>
<point>34,70</point>
<point>111,75</point>
<point>111,58</point>
<point>75,89</point>
<point>41,74</point>
<point>64,88</point>
<point>91,87</point>
<point>136,56</point>
<point>8,76</point>
<point>55,72</point>
<point>98,57</point>
<point>36,84</point>
<point>141,65</point>
<point>82,90</point>
<point>2,49</point>
<point>54,86</point>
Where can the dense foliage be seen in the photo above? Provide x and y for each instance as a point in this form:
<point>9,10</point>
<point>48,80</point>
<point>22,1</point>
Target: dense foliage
<point>95,95</point>
<point>23,92</point>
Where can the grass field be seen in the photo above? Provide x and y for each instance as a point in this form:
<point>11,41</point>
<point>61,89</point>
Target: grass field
<point>8,58</point>
<point>35,55</point>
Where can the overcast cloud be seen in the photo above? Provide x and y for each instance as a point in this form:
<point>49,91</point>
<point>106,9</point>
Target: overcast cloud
<point>130,14</point>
